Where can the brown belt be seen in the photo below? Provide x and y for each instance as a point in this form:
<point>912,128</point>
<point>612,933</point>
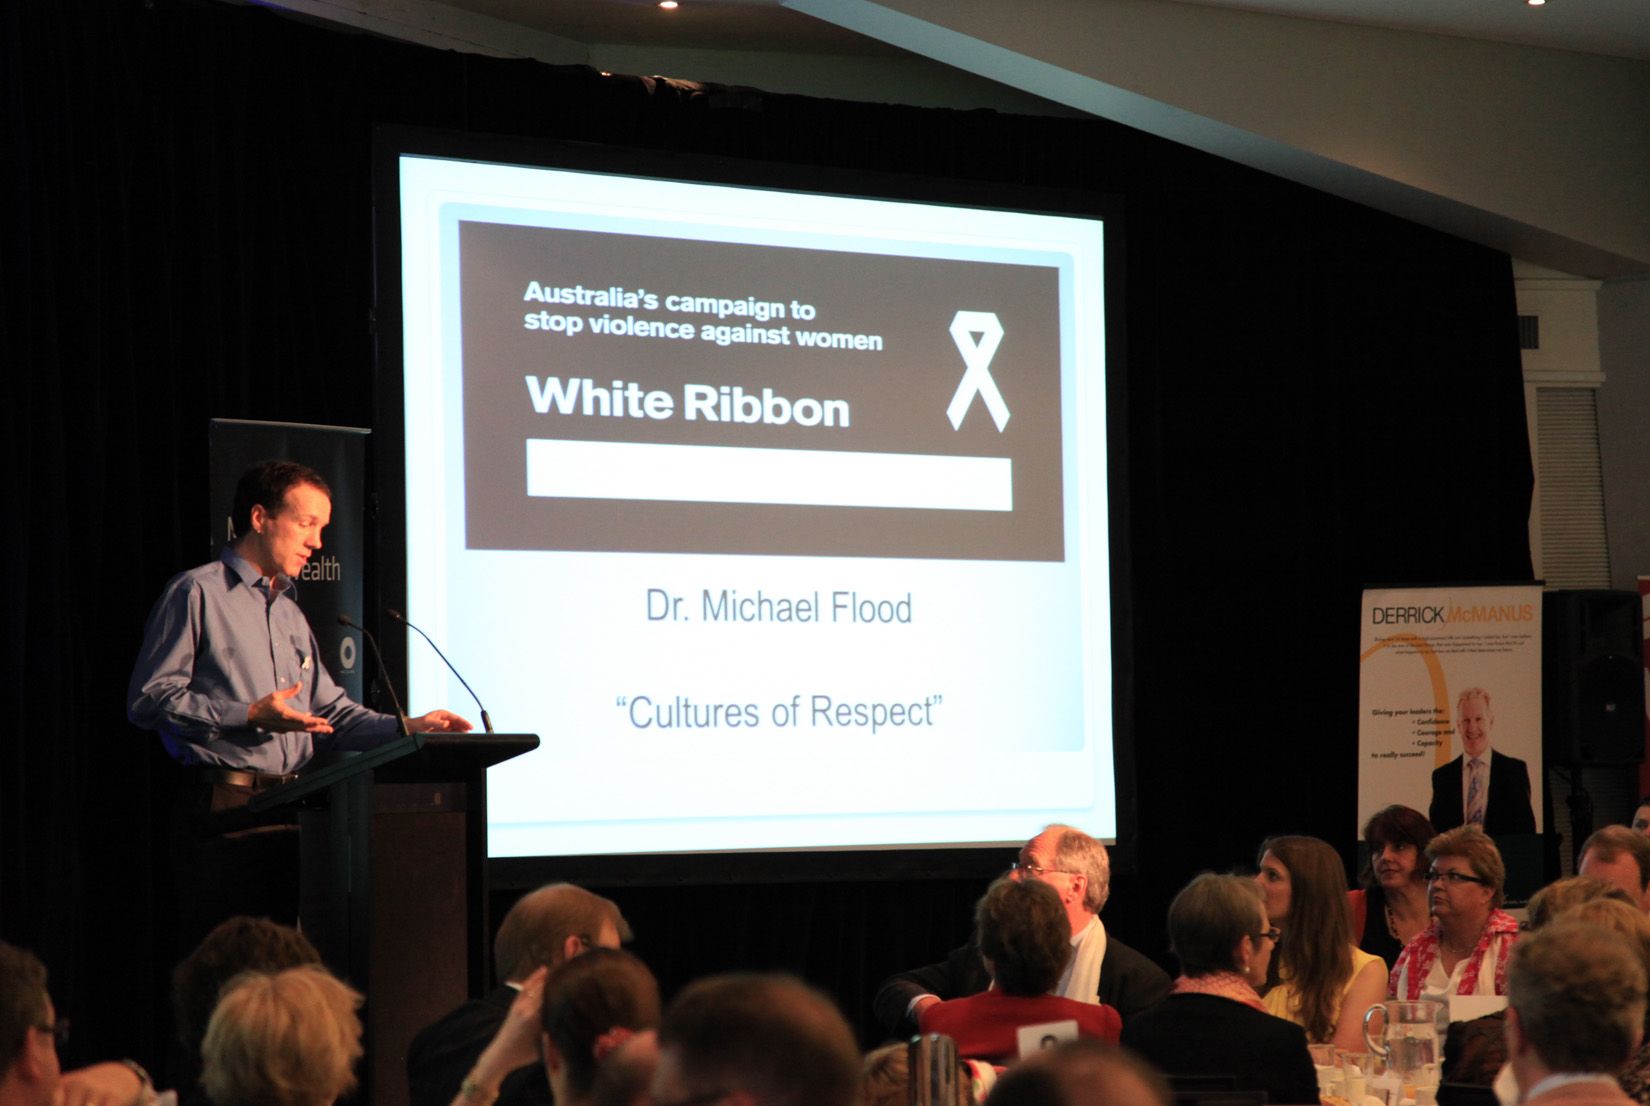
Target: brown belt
<point>244,777</point>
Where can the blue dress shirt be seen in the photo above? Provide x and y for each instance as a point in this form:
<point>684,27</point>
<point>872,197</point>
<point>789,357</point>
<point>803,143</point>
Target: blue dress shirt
<point>215,643</point>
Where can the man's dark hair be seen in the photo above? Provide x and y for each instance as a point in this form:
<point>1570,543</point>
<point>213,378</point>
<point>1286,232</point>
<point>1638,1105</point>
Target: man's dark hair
<point>534,931</point>
<point>1022,929</point>
<point>1081,1073</point>
<point>240,944</point>
<point>589,996</point>
<point>771,1037</point>
<point>265,484</point>
<point>22,1000</point>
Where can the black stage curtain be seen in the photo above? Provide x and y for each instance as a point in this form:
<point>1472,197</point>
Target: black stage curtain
<point>1321,397</point>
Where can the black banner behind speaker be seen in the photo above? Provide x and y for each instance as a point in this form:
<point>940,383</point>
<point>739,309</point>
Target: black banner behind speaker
<point>332,582</point>
<point>1593,678</point>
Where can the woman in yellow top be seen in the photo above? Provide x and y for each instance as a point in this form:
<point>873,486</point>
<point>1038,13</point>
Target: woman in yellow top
<point>1319,979</point>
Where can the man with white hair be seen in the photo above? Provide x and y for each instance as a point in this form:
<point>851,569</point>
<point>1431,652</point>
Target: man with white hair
<point>1102,968</point>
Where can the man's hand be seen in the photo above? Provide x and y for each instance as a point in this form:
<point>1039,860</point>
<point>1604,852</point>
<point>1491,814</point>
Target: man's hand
<point>438,721</point>
<point>107,1084</point>
<point>272,713</point>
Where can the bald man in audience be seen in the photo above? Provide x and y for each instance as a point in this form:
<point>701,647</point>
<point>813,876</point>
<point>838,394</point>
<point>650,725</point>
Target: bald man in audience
<point>755,1040</point>
<point>1102,968</point>
<point>545,928</point>
<point>1619,857</point>
<point>1575,1013</point>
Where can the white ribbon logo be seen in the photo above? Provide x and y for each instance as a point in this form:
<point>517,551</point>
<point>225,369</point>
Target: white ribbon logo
<point>977,354</point>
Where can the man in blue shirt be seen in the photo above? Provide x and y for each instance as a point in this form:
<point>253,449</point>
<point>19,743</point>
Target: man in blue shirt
<point>231,679</point>
<point>229,674</point>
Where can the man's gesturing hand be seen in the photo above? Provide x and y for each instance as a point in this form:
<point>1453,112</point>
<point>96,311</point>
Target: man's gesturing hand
<point>272,713</point>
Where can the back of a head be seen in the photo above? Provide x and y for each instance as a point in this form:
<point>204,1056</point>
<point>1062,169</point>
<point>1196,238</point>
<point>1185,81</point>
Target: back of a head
<point>590,996</point>
<point>535,931</point>
<point>240,944</point>
<point>1562,895</point>
<point>22,1000</point>
<point>1022,930</point>
<point>1207,919</point>
<point>1579,994</point>
<point>769,1036</point>
<point>1081,1073</point>
<point>625,1078</point>
<point>287,1039</point>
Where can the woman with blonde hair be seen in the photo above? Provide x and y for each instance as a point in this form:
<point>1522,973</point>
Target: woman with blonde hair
<point>1319,979</point>
<point>285,1039</point>
<point>1465,950</point>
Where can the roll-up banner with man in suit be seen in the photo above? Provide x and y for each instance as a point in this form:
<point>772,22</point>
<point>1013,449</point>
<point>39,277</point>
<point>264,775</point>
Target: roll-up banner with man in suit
<point>332,582</point>
<point>1450,713</point>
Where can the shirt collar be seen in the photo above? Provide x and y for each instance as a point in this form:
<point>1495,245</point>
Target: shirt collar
<point>248,572</point>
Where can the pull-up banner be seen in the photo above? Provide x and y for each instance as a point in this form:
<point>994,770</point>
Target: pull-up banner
<point>1447,676</point>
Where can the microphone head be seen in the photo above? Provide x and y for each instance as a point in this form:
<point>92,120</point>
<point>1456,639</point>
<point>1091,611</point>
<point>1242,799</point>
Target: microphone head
<point>346,620</point>
<point>395,614</point>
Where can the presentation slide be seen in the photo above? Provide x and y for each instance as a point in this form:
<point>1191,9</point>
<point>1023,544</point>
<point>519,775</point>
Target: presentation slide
<point>781,517</point>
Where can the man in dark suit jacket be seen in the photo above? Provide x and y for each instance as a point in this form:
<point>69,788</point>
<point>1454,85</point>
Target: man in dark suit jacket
<point>1076,866</point>
<point>1507,807</point>
<point>544,928</point>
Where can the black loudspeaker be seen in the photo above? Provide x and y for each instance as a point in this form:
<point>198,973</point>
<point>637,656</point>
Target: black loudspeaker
<point>1593,677</point>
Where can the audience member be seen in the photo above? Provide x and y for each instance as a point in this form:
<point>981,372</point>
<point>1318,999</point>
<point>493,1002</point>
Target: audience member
<point>1318,978</point>
<point>31,1030</point>
<point>1464,951</point>
<point>1214,1024</point>
<point>1621,857</point>
<point>1080,1073</point>
<point>1576,1005</point>
<point>1102,969</point>
<point>1641,817</point>
<point>625,1078</point>
<point>1022,932</point>
<point>545,928</point>
<point>1560,895</point>
<point>240,944</point>
<point>1390,910</point>
<point>571,1018</point>
<point>769,1039</point>
<point>1630,922</point>
<point>1476,1050</point>
<point>287,1039</point>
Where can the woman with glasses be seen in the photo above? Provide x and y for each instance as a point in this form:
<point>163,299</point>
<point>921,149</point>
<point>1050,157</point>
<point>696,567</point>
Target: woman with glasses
<point>1391,909</point>
<point>1214,1024</point>
<point>1464,951</point>
<point>1318,978</point>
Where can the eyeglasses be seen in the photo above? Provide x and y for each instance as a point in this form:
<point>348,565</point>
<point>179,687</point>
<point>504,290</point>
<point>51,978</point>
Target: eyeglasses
<point>59,1031</point>
<point>1037,869</point>
<point>1457,878</point>
<point>1271,935</point>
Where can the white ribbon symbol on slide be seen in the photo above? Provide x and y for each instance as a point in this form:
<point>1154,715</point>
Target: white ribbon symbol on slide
<point>977,355</point>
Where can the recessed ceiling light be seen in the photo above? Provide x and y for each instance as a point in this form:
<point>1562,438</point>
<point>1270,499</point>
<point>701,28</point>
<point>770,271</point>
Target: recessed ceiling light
<point>669,5</point>
<point>1535,3</point>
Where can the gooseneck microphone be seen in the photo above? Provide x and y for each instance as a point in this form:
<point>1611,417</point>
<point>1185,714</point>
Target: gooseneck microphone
<point>486,723</point>
<point>383,673</point>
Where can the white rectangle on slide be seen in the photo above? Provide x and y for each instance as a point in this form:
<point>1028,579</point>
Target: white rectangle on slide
<point>738,474</point>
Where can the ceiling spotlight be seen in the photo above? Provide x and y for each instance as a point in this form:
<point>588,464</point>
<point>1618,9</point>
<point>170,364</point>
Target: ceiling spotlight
<point>1535,3</point>
<point>672,5</point>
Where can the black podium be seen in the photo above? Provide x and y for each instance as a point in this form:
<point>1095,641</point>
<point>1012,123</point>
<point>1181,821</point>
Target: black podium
<point>393,893</point>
